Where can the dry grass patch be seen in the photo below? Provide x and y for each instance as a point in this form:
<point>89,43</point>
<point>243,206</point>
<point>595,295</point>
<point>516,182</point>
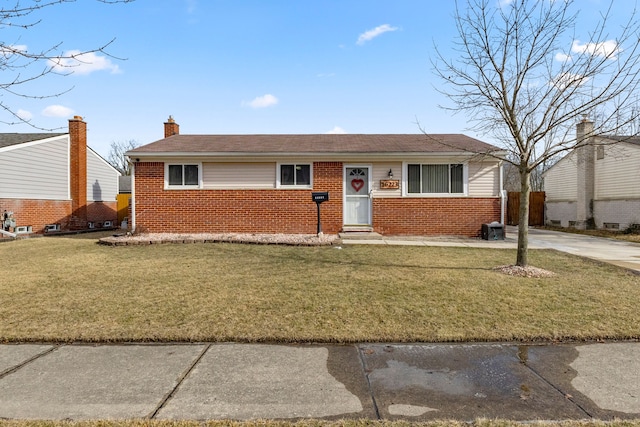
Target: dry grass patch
<point>71,289</point>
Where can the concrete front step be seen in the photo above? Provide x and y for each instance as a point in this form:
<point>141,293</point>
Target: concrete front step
<point>360,235</point>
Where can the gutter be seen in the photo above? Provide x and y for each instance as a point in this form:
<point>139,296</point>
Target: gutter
<point>327,155</point>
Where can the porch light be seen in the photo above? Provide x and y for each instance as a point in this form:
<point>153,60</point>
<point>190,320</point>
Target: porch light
<point>390,174</point>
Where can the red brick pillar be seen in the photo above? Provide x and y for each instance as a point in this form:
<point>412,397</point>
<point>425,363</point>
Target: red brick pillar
<point>78,172</point>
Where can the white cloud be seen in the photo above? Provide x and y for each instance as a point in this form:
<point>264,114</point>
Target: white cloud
<point>565,80</point>
<point>8,50</point>
<point>57,111</point>
<point>24,115</point>
<point>503,3</point>
<point>371,34</point>
<point>264,101</point>
<point>77,62</point>
<point>336,130</point>
<point>608,49</point>
<point>562,57</point>
<point>192,5</point>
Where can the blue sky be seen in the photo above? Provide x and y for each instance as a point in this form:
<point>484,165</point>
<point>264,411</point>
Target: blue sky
<point>246,67</point>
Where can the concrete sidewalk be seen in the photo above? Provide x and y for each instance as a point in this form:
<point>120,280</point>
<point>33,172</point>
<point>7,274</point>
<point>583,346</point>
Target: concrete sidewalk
<point>617,252</point>
<point>374,381</point>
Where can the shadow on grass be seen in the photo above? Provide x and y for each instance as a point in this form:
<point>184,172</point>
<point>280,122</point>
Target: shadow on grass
<point>370,263</point>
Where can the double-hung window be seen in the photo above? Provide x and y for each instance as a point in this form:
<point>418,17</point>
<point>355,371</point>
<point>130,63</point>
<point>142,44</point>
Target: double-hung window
<point>183,176</point>
<point>435,178</point>
<point>295,175</point>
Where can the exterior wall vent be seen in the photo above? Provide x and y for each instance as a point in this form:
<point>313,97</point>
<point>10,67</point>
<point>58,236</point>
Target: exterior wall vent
<point>91,224</point>
<point>107,224</point>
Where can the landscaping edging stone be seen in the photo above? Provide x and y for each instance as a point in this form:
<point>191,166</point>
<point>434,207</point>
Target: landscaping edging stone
<point>257,239</point>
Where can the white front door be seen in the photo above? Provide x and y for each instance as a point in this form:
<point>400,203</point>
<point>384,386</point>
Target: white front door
<point>357,198</point>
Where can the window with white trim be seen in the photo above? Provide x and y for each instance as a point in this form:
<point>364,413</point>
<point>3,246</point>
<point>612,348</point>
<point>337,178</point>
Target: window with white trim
<point>295,175</point>
<point>183,175</point>
<point>435,178</point>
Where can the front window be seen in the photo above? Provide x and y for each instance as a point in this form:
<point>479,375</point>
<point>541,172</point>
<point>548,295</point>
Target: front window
<point>295,175</point>
<point>183,175</point>
<point>435,179</point>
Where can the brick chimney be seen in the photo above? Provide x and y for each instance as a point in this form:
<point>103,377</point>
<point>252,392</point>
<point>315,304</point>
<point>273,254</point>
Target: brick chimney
<point>586,174</point>
<point>78,172</point>
<point>171,128</point>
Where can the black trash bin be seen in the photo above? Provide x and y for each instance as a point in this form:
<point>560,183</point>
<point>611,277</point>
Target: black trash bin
<point>493,231</point>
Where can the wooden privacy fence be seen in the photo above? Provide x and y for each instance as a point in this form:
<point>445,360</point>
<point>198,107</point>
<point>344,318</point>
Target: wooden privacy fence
<point>536,208</point>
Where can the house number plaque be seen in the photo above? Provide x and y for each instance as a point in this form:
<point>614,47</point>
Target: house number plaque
<point>389,184</point>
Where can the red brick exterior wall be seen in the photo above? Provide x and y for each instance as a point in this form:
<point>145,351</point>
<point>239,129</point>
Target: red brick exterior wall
<point>99,212</point>
<point>238,211</point>
<point>38,213</point>
<point>292,211</point>
<point>434,216</point>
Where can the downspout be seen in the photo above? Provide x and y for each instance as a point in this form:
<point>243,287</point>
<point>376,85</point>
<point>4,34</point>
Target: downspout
<point>133,196</point>
<point>503,197</point>
<point>8,234</point>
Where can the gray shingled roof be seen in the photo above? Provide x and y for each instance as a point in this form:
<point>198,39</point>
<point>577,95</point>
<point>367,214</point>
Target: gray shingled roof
<point>622,138</point>
<point>9,139</point>
<point>315,144</point>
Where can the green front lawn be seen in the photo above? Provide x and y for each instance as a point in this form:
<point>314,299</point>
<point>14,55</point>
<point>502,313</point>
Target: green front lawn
<point>71,289</point>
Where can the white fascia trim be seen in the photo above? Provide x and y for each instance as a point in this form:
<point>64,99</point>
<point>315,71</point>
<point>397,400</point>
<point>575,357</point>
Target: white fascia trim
<point>319,155</point>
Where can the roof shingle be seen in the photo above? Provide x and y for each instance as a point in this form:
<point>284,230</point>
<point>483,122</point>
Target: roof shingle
<point>320,143</point>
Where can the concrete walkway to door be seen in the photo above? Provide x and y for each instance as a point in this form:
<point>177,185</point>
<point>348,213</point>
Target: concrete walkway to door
<point>617,252</point>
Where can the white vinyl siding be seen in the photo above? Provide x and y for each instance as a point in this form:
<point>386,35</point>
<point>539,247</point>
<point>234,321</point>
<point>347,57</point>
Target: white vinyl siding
<point>484,179</point>
<point>239,175</point>
<point>617,175</point>
<point>102,179</point>
<point>561,181</point>
<point>36,171</point>
<point>381,172</point>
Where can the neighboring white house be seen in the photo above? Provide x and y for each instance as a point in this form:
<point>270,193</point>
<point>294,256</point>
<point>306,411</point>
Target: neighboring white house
<point>55,179</point>
<point>596,185</point>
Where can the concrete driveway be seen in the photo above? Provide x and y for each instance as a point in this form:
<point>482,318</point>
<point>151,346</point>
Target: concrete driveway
<point>617,252</point>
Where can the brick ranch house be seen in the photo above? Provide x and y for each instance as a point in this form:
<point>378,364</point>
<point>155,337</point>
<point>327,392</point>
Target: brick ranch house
<point>393,184</point>
<point>55,179</point>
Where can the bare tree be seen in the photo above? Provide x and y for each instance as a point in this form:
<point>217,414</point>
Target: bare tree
<point>21,66</point>
<point>521,76</point>
<point>117,158</point>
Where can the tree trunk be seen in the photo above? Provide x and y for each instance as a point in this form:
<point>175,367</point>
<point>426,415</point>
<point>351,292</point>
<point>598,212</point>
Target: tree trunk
<point>522,258</point>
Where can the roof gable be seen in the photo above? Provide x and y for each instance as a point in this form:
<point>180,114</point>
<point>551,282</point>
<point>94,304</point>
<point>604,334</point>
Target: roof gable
<point>622,138</point>
<point>9,139</point>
